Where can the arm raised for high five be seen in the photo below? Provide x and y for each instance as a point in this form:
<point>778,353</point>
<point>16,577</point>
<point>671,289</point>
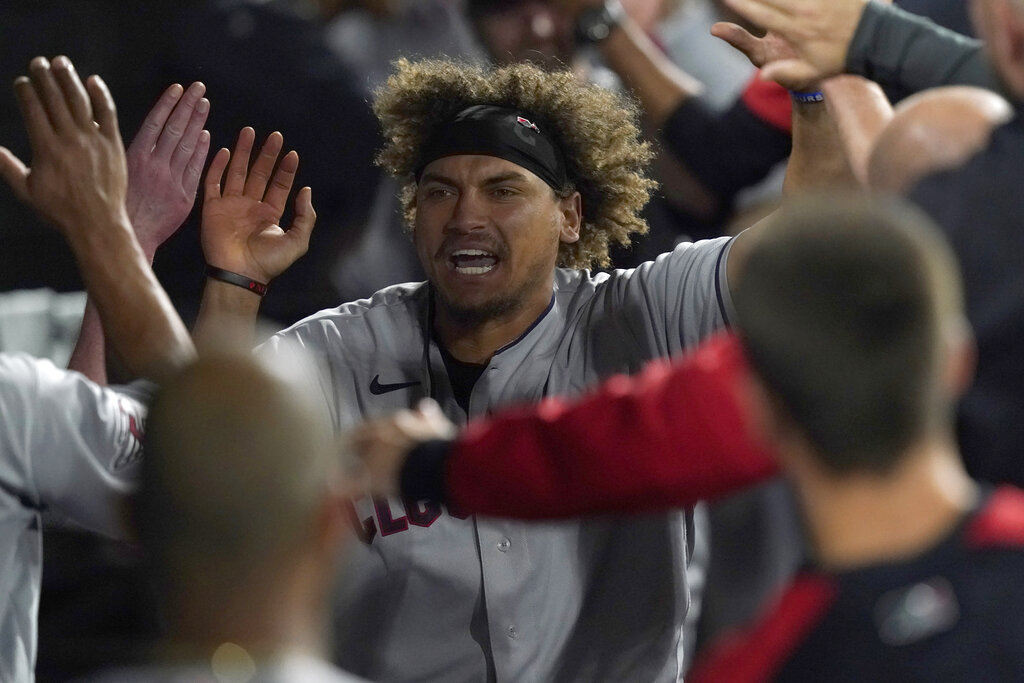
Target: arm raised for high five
<point>165,162</point>
<point>241,235</point>
<point>868,38</point>
<point>78,182</point>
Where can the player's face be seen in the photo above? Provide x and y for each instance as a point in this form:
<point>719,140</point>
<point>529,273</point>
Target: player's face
<point>487,233</point>
<point>528,30</point>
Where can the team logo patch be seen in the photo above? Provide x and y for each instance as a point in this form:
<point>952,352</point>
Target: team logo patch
<point>377,388</point>
<point>130,435</point>
<point>527,123</point>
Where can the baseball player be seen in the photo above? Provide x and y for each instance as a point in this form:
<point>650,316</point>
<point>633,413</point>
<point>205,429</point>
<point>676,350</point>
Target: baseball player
<point>67,443</point>
<point>243,542</point>
<point>512,172</point>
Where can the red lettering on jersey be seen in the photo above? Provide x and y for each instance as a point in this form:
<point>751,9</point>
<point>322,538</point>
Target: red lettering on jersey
<point>421,514</point>
<point>388,524</point>
<point>366,529</point>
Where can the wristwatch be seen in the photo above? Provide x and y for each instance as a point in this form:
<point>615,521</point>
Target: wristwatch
<point>596,23</point>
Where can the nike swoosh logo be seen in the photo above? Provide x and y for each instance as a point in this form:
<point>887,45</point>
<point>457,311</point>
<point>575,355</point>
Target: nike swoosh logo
<point>376,388</point>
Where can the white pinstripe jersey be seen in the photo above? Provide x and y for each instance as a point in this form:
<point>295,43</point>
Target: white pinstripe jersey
<point>433,596</point>
<point>66,444</point>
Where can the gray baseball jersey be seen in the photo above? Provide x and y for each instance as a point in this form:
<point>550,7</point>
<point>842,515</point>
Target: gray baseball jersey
<point>431,595</point>
<point>66,444</point>
<point>289,668</point>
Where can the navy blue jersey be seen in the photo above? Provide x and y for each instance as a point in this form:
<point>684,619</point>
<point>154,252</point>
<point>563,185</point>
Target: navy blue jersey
<point>953,613</point>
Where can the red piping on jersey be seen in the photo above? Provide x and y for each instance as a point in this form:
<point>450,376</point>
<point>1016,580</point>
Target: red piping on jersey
<point>758,653</point>
<point>1001,522</point>
<point>770,102</point>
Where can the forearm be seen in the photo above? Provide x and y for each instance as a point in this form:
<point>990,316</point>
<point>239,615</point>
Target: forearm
<point>89,355</point>
<point>666,438</point>
<point>137,318</point>
<point>861,111</point>
<point>818,161</point>
<point>227,316</point>
<point>894,47</point>
<point>659,84</point>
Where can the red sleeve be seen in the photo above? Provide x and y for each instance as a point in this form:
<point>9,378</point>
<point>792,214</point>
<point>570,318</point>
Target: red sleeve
<point>770,102</point>
<point>1000,523</point>
<point>667,437</point>
<point>756,654</point>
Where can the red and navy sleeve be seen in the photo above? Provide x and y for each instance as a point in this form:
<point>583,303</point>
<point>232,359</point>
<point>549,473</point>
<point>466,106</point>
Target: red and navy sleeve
<point>672,435</point>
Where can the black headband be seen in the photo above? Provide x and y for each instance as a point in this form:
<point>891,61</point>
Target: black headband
<point>498,132</point>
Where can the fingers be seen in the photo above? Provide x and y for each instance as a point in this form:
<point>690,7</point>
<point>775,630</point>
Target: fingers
<point>234,184</point>
<point>215,172</point>
<point>50,94</point>
<point>194,168</point>
<point>37,124</point>
<point>259,174</point>
<point>739,38</point>
<point>14,173</point>
<point>284,178</point>
<point>75,97</point>
<point>186,148</point>
<point>305,218</point>
<point>149,133</point>
<point>103,108</point>
<point>768,16</point>
<point>178,121</point>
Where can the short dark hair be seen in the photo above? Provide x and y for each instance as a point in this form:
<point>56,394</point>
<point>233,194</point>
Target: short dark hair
<point>840,306</point>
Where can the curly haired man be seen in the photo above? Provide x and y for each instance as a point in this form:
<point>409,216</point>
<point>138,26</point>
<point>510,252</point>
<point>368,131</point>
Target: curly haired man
<point>518,180</point>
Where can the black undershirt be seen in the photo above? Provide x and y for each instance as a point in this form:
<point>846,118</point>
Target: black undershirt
<point>462,376</point>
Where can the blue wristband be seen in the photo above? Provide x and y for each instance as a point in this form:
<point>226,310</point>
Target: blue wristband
<point>807,97</point>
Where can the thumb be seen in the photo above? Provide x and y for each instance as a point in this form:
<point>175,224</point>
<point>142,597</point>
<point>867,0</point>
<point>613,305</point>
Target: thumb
<point>305,218</point>
<point>793,74</point>
<point>741,39</point>
<point>14,173</point>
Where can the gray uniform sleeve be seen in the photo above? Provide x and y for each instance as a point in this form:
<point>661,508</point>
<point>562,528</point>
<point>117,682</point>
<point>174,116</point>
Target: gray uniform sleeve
<point>68,444</point>
<point>896,48</point>
<point>679,298</point>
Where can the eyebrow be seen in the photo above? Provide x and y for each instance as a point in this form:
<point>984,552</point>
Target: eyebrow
<point>434,177</point>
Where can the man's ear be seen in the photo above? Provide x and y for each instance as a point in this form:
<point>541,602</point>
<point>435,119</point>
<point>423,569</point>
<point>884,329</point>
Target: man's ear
<point>1006,42</point>
<point>571,209</point>
<point>961,357</point>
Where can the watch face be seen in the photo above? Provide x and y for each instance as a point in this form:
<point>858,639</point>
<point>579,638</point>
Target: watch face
<point>596,23</point>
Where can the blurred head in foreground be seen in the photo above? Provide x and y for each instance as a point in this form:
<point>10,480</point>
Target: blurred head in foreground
<point>241,504</point>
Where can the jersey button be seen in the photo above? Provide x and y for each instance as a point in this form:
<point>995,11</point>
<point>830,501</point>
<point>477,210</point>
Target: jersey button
<point>513,632</point>
<point>504,544</point>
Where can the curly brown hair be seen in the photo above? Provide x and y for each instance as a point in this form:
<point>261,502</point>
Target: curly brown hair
<point>596,129</point>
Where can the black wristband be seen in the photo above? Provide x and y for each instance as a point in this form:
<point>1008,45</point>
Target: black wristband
<point>423,474</point>
<point>259,288</point>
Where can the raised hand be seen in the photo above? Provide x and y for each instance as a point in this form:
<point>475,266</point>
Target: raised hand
<point>165,163</point>
<point>818,31</point>
<point>240,230</point>
<point>78,176</point>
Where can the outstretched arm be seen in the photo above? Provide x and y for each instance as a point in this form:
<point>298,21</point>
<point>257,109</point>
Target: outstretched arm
<point>868,38</point>
<point>165,162</point>
<point>78,182</point>
<point>668,437</point>
<point>241,235</point>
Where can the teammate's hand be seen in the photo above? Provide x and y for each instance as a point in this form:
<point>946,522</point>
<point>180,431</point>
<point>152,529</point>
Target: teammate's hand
<point>165,163</point>
<point>240,230</point>
<point>764,51</point>
<point>384,444</point>
<point>819,32</point>
<point>78,178</point>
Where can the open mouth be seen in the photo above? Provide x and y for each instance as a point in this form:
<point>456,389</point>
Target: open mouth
<point>472,261</point>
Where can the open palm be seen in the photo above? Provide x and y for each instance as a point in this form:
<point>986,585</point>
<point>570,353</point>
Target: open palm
<point>241,229</point>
